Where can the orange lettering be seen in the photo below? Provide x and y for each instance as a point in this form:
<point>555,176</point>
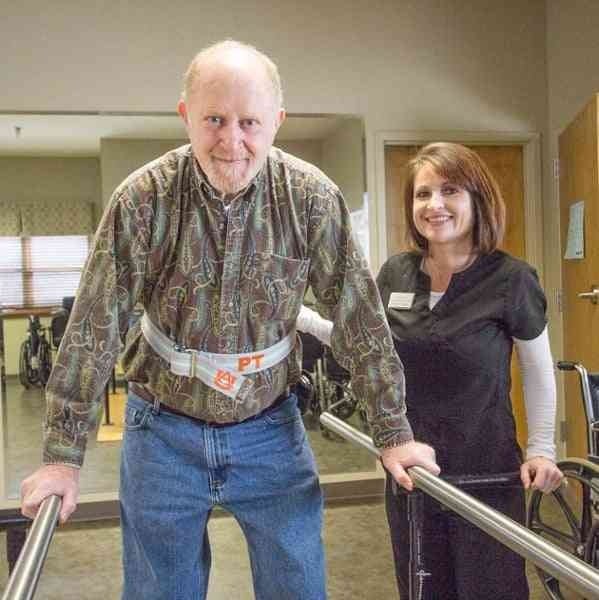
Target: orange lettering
<point>243,362</point>
<point>257,358</point>
<point>224,380</point>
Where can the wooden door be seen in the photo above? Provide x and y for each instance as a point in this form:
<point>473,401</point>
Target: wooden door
<point>579,180</point>
<point>506,163</point>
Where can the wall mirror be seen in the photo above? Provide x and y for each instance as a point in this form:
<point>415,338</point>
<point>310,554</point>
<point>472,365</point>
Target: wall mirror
<point>58,171</point>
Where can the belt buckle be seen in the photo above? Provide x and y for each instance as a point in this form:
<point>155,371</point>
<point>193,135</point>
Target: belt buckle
<point>193,358</point>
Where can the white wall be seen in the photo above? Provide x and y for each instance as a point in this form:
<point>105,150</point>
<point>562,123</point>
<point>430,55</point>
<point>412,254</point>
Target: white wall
<point>309,150</point>
<point>343,160</point>
<point>572,59</point>
<point>400,64</point>
<point>120,157</point>
<point>408,63</point>
<point>403,64</point>
<point>27,178</point>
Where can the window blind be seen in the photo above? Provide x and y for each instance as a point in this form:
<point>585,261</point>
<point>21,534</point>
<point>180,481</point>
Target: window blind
<point>11,269</point>
<point>39,271</point>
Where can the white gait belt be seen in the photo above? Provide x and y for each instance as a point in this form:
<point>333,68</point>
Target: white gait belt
<point>222,372</point>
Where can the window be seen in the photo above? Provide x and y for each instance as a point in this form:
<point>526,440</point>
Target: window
<point>40,270</point>
<point>11,279</point>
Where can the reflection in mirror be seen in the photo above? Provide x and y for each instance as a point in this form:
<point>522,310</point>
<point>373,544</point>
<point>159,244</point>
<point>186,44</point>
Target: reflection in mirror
<point>58,172</point>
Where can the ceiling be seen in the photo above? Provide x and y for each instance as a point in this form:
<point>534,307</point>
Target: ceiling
<point>72,134</point>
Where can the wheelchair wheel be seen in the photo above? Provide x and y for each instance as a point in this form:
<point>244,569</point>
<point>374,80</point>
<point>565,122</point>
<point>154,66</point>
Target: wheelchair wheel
<point>45,362</point>
<point>566,518</point>
<point>25,364</point>
<point>342,402</point>
<point>591,553</point>
<point>304,390</point>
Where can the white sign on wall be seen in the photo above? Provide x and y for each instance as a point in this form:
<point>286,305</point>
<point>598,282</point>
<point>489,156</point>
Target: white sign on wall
<point>575,244</point>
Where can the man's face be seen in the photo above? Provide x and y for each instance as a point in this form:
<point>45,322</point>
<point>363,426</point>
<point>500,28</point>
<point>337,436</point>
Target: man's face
<point>231,118</point>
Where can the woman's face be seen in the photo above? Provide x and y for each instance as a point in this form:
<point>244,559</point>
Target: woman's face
<point>443,212</point>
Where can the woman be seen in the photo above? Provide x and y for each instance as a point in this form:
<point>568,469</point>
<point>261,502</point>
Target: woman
<point>456,306</point>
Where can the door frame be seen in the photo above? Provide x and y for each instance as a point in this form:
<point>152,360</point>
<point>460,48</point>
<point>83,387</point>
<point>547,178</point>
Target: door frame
<point>533,204</point>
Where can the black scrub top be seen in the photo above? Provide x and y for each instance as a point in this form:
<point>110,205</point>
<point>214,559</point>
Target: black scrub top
<point>457,356</point>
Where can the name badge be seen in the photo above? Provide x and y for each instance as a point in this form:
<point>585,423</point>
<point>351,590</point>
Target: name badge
<point>401,300</point>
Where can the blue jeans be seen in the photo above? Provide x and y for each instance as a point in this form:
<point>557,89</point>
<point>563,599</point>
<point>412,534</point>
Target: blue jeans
<point>174,470</point>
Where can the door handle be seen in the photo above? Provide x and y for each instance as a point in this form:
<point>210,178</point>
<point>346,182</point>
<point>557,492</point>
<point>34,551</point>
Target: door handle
<point>593,295</point>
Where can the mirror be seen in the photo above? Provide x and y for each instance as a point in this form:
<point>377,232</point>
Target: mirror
<point>75,160</point>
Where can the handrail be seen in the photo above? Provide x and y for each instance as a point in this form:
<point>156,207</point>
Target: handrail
<point>565,567</point>
<point>23,580</point>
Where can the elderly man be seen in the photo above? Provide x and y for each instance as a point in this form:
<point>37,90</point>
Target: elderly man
<point>218,240</point>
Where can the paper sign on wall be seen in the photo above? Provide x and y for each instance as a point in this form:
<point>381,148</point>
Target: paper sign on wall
<point>575,245</point>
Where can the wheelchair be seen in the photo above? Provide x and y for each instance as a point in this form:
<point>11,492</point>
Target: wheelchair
<point>35,358</point>
<point>569,517</point>
<point>325,385</point>
<point>306,387</point>
<point>59,321</point>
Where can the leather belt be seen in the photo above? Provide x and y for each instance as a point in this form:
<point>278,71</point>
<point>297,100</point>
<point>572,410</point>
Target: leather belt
<point>142,393</point>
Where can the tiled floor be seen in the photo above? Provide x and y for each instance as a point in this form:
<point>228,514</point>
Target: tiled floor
<point>84,559</point>
<point>84,563</point>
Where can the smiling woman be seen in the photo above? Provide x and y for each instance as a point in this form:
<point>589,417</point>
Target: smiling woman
<point>469,305</point>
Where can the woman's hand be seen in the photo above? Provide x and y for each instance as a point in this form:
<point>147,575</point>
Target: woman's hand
<point>541,473</point>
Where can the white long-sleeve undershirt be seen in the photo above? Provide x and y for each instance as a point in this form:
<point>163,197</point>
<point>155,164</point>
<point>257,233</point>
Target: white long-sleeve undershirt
<point>538,381</point>
<point>309,321</point>
<point>536,367</point>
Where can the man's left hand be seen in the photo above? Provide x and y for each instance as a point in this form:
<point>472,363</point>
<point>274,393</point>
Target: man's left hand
<point>397,459</point>
<point>541,473</point>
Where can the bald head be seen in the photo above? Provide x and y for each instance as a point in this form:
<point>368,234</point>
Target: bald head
<point>233,56</point>
<point>231,107</point>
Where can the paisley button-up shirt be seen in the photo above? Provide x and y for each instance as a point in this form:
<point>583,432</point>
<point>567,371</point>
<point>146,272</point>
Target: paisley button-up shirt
<point>223,278</point>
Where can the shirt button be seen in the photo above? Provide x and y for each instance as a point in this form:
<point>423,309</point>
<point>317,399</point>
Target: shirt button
<point>231,304</point>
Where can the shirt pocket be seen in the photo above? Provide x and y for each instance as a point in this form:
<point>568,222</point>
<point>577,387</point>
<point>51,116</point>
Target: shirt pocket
<point>277,285</point>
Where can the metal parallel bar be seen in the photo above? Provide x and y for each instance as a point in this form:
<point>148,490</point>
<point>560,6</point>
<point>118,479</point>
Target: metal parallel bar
<point>572,571</point>
<point>25,576</point>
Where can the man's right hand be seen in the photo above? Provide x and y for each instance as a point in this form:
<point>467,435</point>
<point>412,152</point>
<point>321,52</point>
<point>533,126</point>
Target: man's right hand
<point>51,480</point>
<point>398,458</point>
